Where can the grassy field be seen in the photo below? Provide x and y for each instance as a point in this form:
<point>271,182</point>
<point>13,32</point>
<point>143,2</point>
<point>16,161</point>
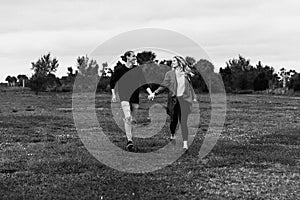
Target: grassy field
<point>42,156</point>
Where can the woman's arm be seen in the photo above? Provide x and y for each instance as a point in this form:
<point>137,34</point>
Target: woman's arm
<point>191,88</point>
<point>113,81</point>
<point>165,84</point>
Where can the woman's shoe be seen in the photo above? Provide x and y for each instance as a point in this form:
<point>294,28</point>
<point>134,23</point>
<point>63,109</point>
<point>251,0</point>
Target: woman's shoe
<point>173,137</point>
<point>130,146</point>
<point>185,145</point>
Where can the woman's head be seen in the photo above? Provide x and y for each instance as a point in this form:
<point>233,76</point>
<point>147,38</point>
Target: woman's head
<point>174,63</point>
<point>181,64</point>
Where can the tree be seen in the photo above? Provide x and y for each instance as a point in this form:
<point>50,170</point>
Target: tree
<point>45,65</point>
<point>226,74</point>
<point>206,69</point>
<point>23,79</point>
<point>87,67</point>
<point>88,74</point>
<point>271,76</point>
<point>259,67</point>
<point>286,76</point>
<point>105,71</point>
<point>205,66</point>
<point>42,69</point>
<point>9,80</point>
<point>295,82</point>
<point>105,74</point>
<point>166,62</point>
<point>283,75</point>
<point>260,82</point>
<point>240,67</point>
<point>145,57</point>
<point>117,66</point>
<point>14,80</point>
<point>238,74</point>
<point>204,79</point>
<point>70,71</point>
<point>190,60</point>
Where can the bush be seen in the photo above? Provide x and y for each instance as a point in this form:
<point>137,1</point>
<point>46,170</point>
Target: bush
<point>260,82</point>
<point>295,82</point>
<point>103,84</point>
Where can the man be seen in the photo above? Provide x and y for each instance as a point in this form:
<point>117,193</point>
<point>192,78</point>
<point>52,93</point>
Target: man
<point>129,78</point>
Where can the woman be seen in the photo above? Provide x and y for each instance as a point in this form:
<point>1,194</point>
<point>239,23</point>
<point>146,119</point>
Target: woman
<point>180,97</point>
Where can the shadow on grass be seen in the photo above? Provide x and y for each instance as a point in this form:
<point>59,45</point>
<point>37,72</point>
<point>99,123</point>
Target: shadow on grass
<point>267,149</point>
<point>284,137</point>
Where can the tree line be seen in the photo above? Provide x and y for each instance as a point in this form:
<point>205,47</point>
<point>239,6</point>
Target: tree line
<point>238,75</point>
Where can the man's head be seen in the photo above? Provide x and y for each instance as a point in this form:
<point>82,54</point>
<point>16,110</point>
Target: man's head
<point>129,57</point>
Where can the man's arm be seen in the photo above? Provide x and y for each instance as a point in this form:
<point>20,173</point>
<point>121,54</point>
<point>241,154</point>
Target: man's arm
<point>144,82</point>
<point>113,81</point>
<point>113,95</point>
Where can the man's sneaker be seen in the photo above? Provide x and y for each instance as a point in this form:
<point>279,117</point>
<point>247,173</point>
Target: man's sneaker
<point>173,137</point>
<point>129,146</point>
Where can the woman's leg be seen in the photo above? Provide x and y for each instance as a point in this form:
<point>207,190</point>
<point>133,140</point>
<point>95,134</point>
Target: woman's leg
<point>183,121</point>
<point>175,117</point>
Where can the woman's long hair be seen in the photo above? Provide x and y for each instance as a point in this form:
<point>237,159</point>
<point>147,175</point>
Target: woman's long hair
<point>186,67</point>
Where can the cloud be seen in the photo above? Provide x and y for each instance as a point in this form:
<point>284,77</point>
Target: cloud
<point>76,15</point>
<point>259,29</point>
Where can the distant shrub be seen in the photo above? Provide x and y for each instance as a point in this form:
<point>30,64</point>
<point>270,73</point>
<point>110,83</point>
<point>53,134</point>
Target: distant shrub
<point>295,82</point>
<point>103,84</point>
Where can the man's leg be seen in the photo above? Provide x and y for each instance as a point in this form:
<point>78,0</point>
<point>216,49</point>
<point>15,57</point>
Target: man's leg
<point>127,119</point>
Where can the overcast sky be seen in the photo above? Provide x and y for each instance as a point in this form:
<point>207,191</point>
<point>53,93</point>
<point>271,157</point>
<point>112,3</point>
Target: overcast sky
<point>266,30</point>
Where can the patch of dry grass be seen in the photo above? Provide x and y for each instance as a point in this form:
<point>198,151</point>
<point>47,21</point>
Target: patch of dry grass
<point>42,157</point>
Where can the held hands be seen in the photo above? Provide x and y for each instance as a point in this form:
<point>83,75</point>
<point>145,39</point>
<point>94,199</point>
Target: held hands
<point>151,96</point>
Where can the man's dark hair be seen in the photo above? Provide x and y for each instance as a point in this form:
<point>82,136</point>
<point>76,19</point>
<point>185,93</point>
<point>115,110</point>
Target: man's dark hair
<point>127,53</point>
